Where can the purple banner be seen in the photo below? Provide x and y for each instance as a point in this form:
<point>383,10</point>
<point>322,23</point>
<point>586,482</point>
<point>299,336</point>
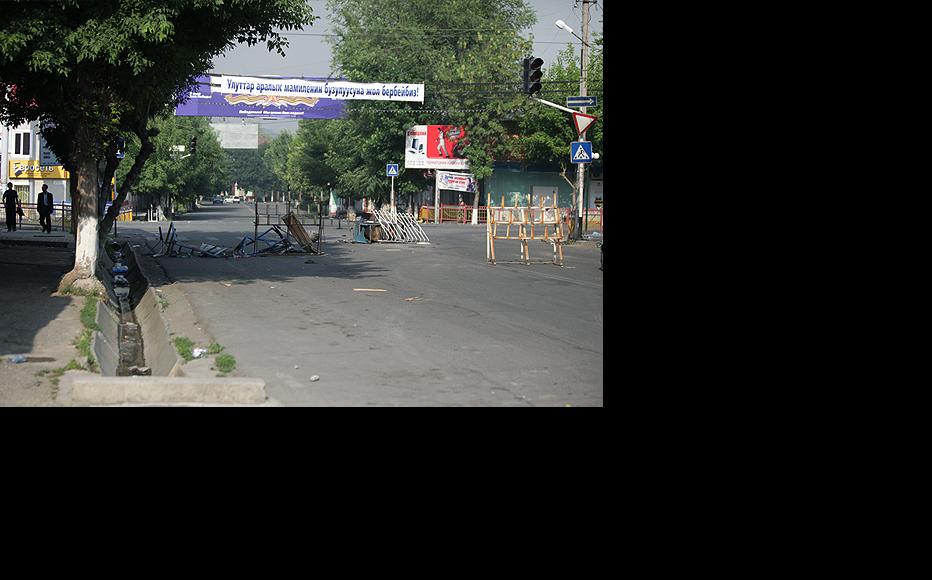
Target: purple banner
<point>203,102</point>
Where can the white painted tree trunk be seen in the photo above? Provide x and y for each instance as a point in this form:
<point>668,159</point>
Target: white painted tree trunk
<point>84,275</point>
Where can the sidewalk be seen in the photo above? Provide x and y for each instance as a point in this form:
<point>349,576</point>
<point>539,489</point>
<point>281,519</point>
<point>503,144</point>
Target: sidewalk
<point>34,321</point>
<point>33,236</point>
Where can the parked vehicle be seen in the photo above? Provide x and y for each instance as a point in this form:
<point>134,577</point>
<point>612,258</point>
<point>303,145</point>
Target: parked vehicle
<point>218,200</point>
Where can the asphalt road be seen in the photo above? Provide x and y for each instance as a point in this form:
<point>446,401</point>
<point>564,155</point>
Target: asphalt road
<point>449,329</point>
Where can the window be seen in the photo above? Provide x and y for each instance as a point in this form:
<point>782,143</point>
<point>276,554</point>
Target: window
<point>23,141</point>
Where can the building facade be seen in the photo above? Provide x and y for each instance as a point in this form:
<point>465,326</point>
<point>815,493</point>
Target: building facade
<point>27,162</point>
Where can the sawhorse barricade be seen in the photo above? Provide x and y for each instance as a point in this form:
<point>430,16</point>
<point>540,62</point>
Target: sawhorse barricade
<point>525,220</point>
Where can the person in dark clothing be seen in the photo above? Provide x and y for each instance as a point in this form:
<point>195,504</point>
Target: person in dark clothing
<point>45,207</point>
<point>11,205</point>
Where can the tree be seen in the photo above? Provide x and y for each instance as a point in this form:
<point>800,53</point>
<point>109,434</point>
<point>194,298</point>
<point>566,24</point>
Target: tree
<point>468,54</point>
<point>249,169</point>
<point>95,70</point>
<point>276,158</point>
<point>173,177</point>
<point>307,165</point>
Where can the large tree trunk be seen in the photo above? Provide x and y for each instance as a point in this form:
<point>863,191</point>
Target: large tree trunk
<point>131,179</point>
<point>73,190</point>
<point>83,278</point>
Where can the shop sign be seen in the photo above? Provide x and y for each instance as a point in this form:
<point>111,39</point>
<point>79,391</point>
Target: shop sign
<point>34,169</point>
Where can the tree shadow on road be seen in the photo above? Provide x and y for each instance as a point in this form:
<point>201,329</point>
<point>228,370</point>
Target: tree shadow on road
<point>336,260</point>
<point>28,278</point>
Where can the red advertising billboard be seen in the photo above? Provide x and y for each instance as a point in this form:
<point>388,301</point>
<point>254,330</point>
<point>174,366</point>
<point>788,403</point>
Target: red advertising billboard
<point>436,147</point>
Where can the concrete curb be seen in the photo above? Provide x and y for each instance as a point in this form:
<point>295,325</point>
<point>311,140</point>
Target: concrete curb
<point>160,353</point>
<point>96,390</point>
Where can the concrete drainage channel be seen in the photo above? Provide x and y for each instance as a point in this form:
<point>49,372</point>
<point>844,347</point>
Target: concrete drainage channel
<point>138,361</point>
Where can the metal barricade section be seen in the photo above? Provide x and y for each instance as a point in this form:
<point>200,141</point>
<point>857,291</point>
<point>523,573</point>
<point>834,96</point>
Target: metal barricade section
<point>400,227</point>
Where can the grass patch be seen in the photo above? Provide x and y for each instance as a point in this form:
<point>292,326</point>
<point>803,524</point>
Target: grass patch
<point>89,313</point>
<point>55,375</point>
<point>85,340</point>
<point>225,363</point>
<point>185,347</point>
<point>72,291</point>
<point>215,348</point>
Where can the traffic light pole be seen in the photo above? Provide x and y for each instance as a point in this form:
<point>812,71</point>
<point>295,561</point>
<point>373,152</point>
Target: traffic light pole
<point>554,105</point>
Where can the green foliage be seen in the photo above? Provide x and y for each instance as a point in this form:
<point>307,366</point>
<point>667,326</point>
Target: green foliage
<point>226,363</point>
<point>185,347</point>
<point>98,70</point>
<point>466,52</point>
<point>307,164</point>
<point>250,169</point>
<point>215,348</point>
<point>89,313</point>
<point>175,175</point>
<point>275,157</point>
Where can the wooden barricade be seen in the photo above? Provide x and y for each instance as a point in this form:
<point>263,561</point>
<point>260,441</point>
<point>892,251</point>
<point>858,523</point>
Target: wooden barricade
<point>297,230</point>
<point>526,220</point>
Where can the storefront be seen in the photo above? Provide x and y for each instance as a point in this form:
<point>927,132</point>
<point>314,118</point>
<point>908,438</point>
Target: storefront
<point>28,163</point>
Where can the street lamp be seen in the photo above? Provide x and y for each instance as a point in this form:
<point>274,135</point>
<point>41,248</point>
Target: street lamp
<point>583,62</point>
<point>562,25</point>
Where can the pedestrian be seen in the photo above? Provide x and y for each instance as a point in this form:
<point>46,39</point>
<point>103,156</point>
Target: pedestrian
<point>11,205</point>
<point>45,208</point>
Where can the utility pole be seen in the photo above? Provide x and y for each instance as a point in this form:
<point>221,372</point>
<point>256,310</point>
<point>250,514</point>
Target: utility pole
<point>583,70</point>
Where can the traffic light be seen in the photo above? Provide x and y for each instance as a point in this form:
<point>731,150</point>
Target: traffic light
<point>193,145</point>
<point>532,75</point>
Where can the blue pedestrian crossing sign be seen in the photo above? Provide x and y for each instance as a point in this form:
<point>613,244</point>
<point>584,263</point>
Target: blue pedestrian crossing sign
<point>581,152</point>
<point>391,170</point>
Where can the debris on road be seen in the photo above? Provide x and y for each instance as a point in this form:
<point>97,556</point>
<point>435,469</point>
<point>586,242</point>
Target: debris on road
<point>171,246</point>
<point>296,229</point>
<point>275,241</point>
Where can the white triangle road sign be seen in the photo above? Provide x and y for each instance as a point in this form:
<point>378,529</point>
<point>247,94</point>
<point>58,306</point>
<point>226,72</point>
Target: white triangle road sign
<point>583,122</point>
<point>580,154</point>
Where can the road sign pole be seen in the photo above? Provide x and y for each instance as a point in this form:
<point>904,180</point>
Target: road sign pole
<point>583,69</point>
<point>393,194</point>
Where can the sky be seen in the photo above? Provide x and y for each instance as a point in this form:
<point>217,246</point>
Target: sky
<point>309,54</point>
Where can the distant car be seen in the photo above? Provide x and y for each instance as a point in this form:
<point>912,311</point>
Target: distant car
<point>218,201</point>
<point>237,199</point>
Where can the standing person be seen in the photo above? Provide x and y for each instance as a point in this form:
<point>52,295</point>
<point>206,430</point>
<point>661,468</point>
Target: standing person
<point>10,204</point>
<point>45,207</point>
